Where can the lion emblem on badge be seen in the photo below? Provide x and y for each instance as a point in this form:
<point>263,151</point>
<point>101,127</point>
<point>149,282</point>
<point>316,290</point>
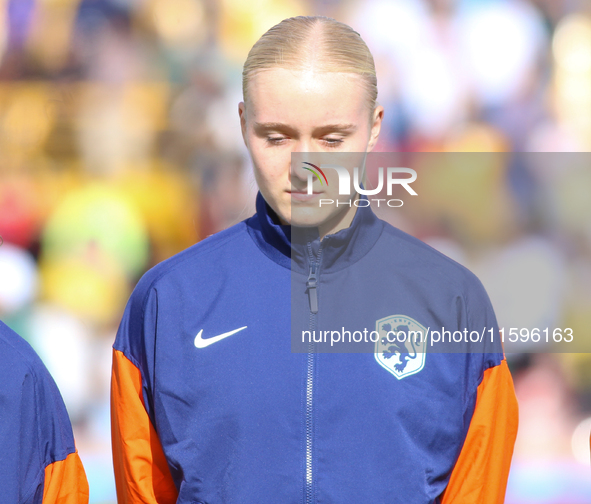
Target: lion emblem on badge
<point>402,344</point>
<point>398,347</point>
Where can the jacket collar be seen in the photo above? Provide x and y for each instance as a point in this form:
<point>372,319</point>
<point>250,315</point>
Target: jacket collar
<point>290,247</point>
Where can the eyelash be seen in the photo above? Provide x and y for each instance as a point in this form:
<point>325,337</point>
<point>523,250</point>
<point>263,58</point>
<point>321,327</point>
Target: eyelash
<point>330,142</point>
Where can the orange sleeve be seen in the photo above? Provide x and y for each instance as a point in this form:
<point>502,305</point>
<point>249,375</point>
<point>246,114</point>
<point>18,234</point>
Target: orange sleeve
<point>65,482</point>
<point>482,469</point>
<point>141,472</point>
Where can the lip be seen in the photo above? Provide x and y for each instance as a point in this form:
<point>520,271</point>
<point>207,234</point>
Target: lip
<point>303,196</point>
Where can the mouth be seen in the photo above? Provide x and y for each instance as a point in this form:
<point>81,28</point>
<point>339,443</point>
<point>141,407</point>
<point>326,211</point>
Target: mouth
<point>302,195</point>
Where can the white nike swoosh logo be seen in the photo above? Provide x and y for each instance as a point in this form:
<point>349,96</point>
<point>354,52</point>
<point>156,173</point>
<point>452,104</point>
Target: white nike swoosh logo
<point>202,343</point>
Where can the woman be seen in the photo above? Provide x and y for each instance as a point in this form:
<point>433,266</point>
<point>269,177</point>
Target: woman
<point>210,405</point>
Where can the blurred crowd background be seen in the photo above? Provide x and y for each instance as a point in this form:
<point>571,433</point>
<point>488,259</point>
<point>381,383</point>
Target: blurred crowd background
<point>120,146</point>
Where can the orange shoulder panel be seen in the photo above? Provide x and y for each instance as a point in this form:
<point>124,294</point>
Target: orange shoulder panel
<point>65,482</point>
<point>141,472</point>
<point>482,469</point>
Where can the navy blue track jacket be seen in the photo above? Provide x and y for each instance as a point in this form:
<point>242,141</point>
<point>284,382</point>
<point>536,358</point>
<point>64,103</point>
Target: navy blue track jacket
<point>39,463</point>
<point>212,401</point>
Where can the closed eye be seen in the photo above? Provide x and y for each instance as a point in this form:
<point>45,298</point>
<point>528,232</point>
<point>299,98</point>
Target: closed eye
<point>275,140</point>
<point>332,142</point>
<point>328,142</point>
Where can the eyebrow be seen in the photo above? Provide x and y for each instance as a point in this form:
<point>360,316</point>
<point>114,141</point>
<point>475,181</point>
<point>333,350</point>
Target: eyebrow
<point>345,128</point>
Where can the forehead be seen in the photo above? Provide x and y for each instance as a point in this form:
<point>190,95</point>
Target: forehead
<point>306,98</point>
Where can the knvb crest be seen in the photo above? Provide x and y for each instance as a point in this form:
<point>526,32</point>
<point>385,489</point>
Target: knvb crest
<point>402,345</point>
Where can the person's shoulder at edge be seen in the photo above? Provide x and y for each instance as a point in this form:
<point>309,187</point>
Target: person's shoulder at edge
<point>27,385</point>
<point>19,354</point>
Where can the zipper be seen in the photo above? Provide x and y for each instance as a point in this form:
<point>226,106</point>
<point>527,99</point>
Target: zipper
<point>312,286</point>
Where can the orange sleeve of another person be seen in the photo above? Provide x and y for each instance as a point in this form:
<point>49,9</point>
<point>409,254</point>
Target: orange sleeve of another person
<point>482,469</point>
<point>65,482</point>
<point>141,472</point>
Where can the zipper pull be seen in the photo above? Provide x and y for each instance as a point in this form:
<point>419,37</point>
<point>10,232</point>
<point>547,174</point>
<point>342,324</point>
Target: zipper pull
<point>311,285</point>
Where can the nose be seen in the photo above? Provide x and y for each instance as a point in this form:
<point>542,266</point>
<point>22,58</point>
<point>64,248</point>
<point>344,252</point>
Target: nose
<point>299,176</point>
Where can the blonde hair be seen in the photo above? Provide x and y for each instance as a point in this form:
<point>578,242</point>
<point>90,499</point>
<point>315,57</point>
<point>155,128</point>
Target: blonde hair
<point>317,42</point>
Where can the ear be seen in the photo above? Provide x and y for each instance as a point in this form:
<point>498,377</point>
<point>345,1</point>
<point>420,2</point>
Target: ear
<point>378,115</point>
<point>242,115</point>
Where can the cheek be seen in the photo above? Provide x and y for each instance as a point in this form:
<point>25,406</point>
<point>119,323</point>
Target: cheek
<point>270,165</point>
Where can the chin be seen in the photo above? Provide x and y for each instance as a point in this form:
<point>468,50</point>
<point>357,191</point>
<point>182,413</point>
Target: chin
<point>307,216</point>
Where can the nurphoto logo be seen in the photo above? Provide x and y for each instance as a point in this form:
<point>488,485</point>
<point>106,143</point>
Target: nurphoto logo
<point>391,179</point>
<point>316,171</point>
